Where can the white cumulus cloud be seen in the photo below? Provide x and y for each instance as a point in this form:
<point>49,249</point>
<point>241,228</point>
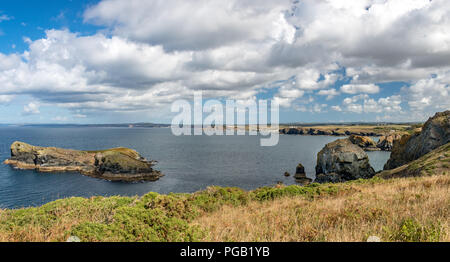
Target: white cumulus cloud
<point>146,54</point>
<point>356,89</point>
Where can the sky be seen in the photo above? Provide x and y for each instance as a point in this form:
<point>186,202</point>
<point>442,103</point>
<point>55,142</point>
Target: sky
<point>117,61</point>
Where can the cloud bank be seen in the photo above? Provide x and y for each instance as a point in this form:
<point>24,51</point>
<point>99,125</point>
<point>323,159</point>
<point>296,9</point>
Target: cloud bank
<point>148,54</point>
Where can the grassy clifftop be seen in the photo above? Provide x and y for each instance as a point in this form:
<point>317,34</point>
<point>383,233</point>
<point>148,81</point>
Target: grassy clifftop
<point>401,209</point>
<point>436,162</point>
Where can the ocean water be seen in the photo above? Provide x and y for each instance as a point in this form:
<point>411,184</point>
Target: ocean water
<point>189,163</point>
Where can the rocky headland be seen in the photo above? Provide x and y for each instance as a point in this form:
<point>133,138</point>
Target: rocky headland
<point>326,131</point>
<point>436,162</point>
<point>348,130</point>
<point>117,164</point>
<point>435,133</point>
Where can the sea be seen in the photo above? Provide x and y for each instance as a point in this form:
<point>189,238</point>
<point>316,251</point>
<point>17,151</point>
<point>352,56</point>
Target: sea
<point>189,163</point>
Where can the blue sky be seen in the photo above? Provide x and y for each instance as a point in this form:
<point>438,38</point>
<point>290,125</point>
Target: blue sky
<point>112,61</point>
<point>30,18</point>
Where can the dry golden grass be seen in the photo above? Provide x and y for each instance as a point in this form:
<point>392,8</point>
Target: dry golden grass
<point>53,222</point>
<point>378,209</point>
<point>399,209</point>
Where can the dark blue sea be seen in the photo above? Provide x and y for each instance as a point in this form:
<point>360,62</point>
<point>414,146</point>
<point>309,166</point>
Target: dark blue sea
<point>189,163</point>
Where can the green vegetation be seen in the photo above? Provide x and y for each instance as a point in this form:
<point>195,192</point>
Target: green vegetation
<point>409,230</point>
<point>435,162</point>
<point>152,217</point>
<point>122,150</point>
<point>175,217</point>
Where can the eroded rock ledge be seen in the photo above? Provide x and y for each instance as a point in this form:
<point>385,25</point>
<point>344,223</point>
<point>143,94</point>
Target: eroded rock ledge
<point>117,164</point>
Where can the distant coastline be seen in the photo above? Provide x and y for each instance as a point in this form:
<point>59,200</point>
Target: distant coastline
<point>151,125</point>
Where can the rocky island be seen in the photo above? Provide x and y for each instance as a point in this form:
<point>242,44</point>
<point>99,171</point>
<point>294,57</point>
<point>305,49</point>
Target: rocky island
<point>117,164</point>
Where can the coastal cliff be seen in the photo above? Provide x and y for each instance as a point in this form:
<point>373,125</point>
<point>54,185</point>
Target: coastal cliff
<point>347,130</point>
<point>386,143</point>
<point>328,131</point>
<point>435,133</point>
<point>436,162</point>
<point>117,164</point>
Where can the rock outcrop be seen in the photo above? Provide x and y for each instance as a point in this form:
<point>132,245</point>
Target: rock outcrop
<point>300,171</point>
<point>364,142</point>
<point>118,164</point>
<point>435,162</point>
<point>387,142</point>
<point>341,161</point>
<point>325,131</point>
<point>300,175</point>
<point>435,133</point>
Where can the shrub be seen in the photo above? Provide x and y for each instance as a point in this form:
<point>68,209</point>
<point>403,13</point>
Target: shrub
<point>410,230</point>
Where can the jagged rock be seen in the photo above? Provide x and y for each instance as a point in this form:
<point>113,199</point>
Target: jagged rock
<point>120,164</point>
<point>435,133</point>
<point>311,131</point>
<point>342,160</point>
<point>338,133</point>
<point>292,131</point>
<point>326,131</point>
<point>366,143</point>
<point>286,174</point>
<point>300,171</point>
<point>300,175</point>
<point>387,142</point>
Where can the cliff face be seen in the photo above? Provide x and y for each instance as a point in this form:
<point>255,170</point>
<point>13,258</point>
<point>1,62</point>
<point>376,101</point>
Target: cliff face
<point>435,162</point>
<point>120,164</point>
<point>435,133</point>
<point>341,161</point>
<point>387,142</point>
<point>324,131</point>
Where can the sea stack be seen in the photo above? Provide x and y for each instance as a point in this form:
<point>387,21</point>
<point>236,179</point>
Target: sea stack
<point>341,161</point>
<point>117,164</point>
<point>300,175</point>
